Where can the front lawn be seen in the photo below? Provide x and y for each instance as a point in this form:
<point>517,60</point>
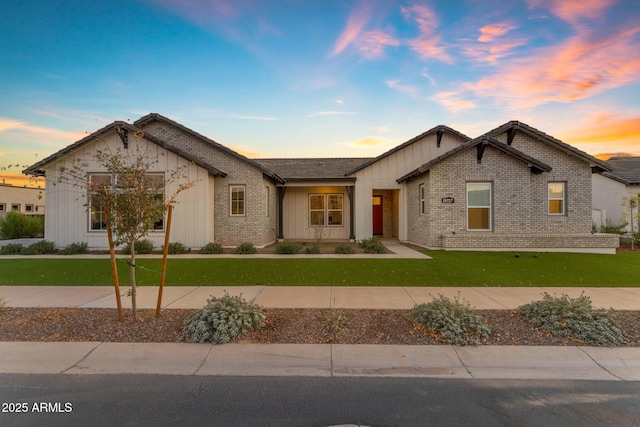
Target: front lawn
<point>445,269</point>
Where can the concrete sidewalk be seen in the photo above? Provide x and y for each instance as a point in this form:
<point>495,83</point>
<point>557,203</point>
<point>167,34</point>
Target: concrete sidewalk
<point>374,297</point>
<point>515,362</point>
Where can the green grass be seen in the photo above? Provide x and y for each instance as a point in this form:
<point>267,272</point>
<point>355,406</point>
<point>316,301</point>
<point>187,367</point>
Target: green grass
<point>445,269</point>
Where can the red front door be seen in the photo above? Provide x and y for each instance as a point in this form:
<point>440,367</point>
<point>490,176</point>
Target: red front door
<point>378,228</point>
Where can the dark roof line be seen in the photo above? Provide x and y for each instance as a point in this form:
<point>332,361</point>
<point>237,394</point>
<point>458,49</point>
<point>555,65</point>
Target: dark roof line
<point>600,165</point>
<point>36,169</point>
<point>409,142</point>
<point>159,117</point>
<point>535,165</point>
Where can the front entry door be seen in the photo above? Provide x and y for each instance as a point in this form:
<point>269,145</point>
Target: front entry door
<point>378,228</point>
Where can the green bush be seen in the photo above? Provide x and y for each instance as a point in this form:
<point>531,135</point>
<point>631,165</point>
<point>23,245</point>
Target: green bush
<point>16,225</point>
<point>143,246</point>
<point>287,248</point>
<point>344,249</point>
<point>12,249</point>
<point>40,248</point>
<point>373,246</point>
<point>177,248</point>
<point>455,322</point>
<point>575,318</point>
<point>211,248</point>
<point>75,249</point>
<point>246,249</point>
<point>221,320</point>
<point>312,250</point>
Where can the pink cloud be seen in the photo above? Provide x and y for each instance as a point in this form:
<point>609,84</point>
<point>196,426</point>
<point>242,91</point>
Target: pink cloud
<point>428,44</point>
<point>373,43</point>
<point>408,89</point>
<point>573,11</point>
<point>453,101</point>
<point>575,69</point>
<point>488,33</point>
<point>360,15</point>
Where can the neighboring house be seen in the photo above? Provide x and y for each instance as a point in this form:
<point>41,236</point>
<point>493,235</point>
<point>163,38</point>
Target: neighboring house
<point>610,188</point>
<point>513,188</point>
<point>27,200</point>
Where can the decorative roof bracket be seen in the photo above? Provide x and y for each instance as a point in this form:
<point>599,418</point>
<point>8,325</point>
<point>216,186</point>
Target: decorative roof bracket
<point>124,136</point>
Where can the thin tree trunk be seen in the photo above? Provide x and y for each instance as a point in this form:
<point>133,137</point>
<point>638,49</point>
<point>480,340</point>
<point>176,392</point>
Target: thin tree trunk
<point>132,275</point>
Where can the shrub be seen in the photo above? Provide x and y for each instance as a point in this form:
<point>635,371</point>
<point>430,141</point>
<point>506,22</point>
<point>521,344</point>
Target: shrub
<point>75,248</point>
<point>177,248</point>
<point>2,302</point>
<point>245,249</point>
<point>221,320</point>
<point>40,248</point>
<point>143,246</point>
<point>211,248</point>
<point>344,249</point>
<point>373,246</point>
<point>312,250</point>
<point>12,249</point>
<point>574,318</point>
<point>16,225</point>
<point>336,322</point>
<point>287,248</point>
<point>455,322</point>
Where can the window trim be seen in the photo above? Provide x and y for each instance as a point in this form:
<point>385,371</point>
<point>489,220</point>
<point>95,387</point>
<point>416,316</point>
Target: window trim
<point>421,196</point>
<point>562,199</point>
<point>489,207</point>
<point>158,226</point>
<point>3,207</point>
<point>326,210</point>
<point>234,188</point>
<point>28,208</point>
<point>15,207</point>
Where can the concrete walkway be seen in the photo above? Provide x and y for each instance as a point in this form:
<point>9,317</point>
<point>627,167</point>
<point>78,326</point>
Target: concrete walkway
<point>443,361</point>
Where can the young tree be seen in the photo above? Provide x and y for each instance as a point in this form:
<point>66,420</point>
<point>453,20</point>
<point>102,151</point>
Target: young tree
<point>630,204</point>
<point>133,197</point>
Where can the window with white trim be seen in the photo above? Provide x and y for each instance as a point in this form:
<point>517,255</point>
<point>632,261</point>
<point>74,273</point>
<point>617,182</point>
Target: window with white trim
<point>326,209</point>
<point>479,206</point>
<point>423,208</point>
<point>97,211</point>
<point>237,200</point>
<point>15,207</point>
<point>557,198</point>
<point>28,208</point>
<point>3,207</point>
<point>266,199</point>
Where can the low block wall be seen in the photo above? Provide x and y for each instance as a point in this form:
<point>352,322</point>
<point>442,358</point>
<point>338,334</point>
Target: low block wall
<point>598,242</point>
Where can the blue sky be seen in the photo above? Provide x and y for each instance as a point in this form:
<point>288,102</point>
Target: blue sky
<point>318,78</point>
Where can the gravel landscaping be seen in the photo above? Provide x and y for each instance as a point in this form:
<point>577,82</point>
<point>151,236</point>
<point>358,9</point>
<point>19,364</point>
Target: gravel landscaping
<point>282,326</point>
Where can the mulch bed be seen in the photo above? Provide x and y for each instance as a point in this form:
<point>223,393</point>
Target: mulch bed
<point>282,326</point>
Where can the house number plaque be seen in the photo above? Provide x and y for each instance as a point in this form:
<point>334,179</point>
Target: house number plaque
<point>447,200</point>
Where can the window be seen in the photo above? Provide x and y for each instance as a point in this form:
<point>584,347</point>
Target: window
<point>15,207</point>
<point>28,208</point>
<point>97,211</point>
<point>3,207</point>
<point>266,200</point>
<point>479,206</point>
<point>556,191</point>
<point>423,208</point>
<point>326,209</point>
<point>237,196</point>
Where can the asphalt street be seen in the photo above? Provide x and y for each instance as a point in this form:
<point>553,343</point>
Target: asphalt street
<point>165,400</point>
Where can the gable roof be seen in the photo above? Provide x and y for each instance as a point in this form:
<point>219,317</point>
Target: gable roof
<point>438,129</point>
<point>151,117</point>
<point>515,126</point>
<point>122,128</point>
<point>624,169</point>
<point>318,169</point>
<point>481,143</point>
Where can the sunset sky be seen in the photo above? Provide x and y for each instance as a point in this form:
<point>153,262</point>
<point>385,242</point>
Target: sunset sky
<point>318,78</point>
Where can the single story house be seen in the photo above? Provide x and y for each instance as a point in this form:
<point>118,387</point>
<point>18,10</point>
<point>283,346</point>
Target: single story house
<point>610,188</point>
<point>26,200</point>
<point>512,188</point>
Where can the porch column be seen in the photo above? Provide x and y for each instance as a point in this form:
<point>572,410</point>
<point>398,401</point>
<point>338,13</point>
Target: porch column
<point>281,191</point>
<point>351,192</point>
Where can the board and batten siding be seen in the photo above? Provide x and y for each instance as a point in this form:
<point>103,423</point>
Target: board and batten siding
<point>296,214</point>
<point>382,175</point>
<point>67,219</point>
